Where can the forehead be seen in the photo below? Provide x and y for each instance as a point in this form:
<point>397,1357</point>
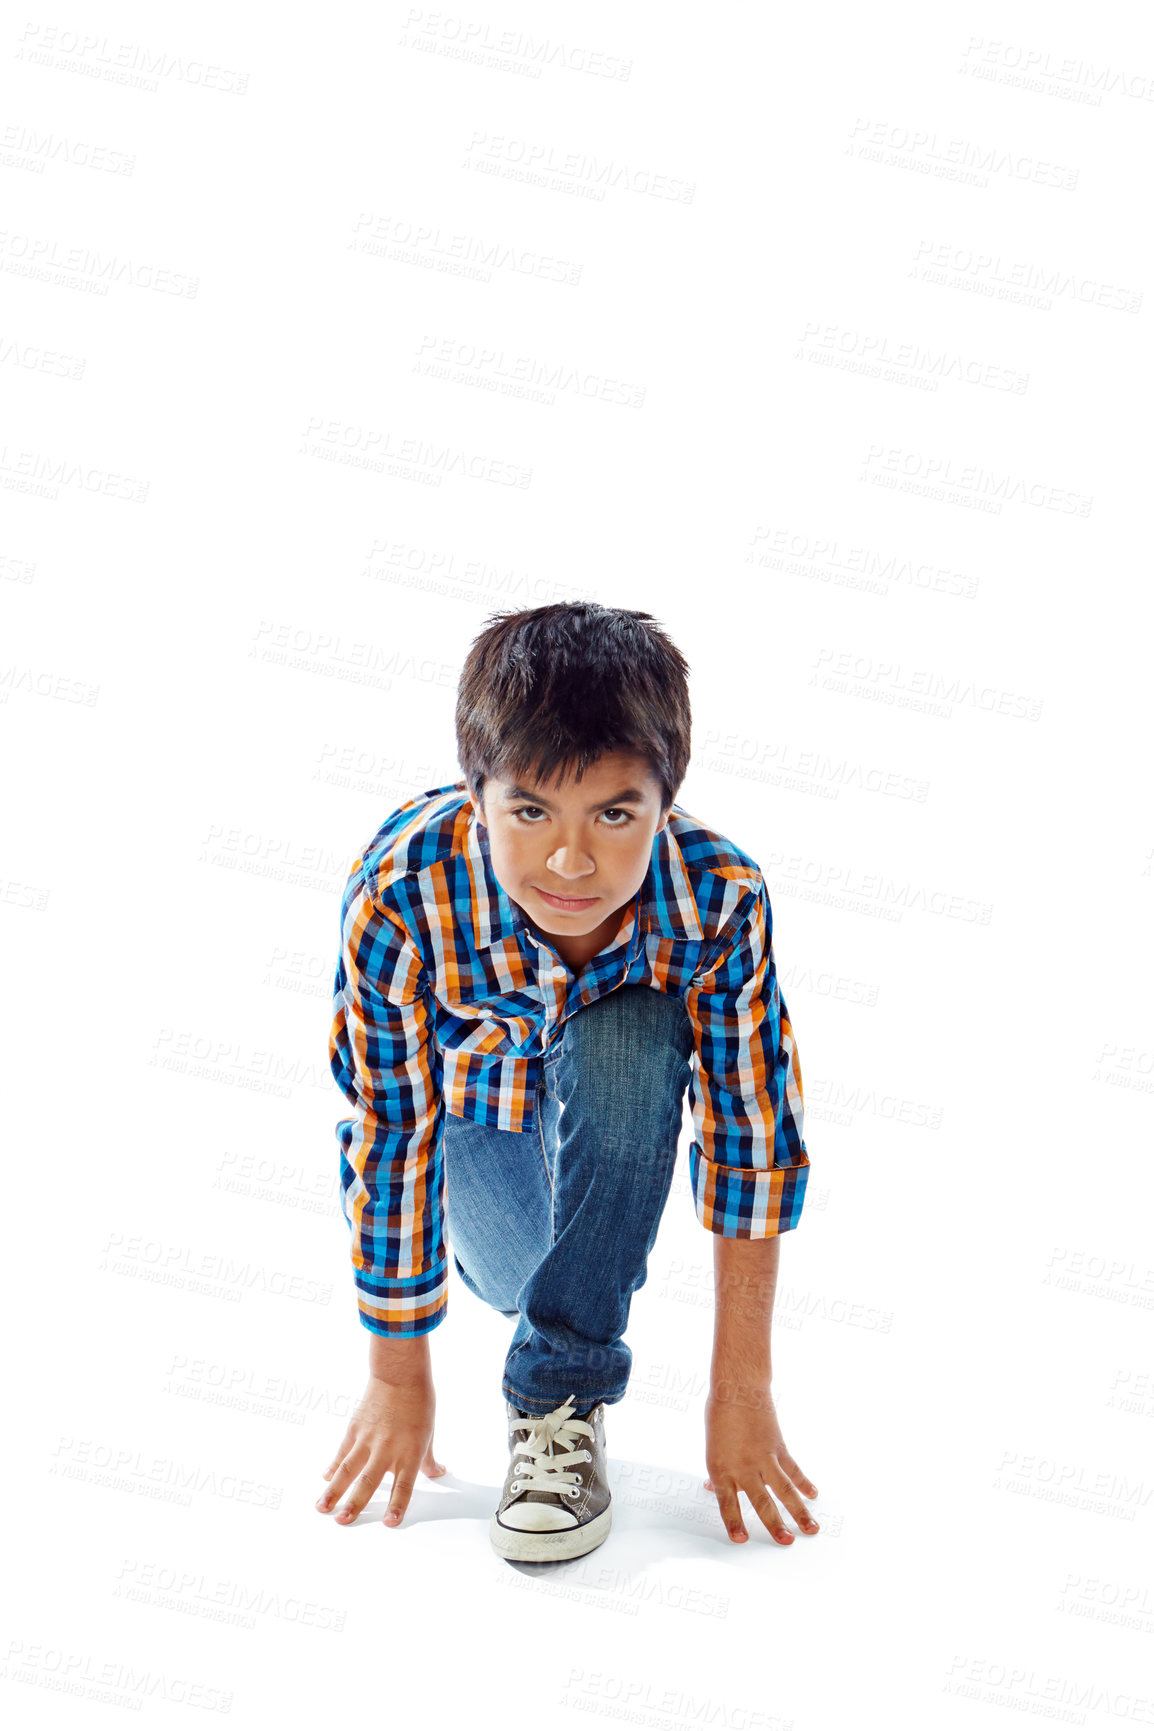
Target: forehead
<point>616,774</point>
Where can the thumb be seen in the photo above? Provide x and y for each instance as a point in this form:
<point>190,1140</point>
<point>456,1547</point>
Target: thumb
<point>431,1467</point>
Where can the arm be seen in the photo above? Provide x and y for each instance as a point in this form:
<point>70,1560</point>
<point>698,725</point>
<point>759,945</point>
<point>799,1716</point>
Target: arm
<point>745,1281</point>
<point>384,1057</point>
<point>750,1167</point>
<point>385,1060</point>
<point>748,1163</point>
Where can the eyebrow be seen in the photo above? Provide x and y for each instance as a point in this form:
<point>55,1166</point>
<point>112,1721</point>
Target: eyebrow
<point>629,797</point>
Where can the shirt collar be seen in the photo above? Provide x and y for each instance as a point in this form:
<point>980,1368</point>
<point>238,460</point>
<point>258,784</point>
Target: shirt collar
<point>665,902</point>
<point>494,916</point>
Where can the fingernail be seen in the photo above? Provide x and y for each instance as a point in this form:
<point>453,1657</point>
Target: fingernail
<point>322,1502</point>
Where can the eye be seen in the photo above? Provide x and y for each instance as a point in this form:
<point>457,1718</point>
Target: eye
<point>531,823</point>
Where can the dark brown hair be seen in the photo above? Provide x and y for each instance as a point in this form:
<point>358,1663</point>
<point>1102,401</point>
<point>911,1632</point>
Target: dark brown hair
<point>551,687</point>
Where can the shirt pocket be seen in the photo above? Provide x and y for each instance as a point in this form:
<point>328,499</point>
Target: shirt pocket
<point>486,1036</point>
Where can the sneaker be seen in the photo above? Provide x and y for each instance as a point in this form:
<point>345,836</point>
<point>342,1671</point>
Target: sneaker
<point>556,1500</point>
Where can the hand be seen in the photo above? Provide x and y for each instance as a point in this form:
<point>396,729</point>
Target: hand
<point>392,1429</point>
<point>745,1451</point>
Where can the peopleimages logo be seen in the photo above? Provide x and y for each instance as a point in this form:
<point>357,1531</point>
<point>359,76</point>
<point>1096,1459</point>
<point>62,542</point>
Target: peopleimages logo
<point>112,1682</point>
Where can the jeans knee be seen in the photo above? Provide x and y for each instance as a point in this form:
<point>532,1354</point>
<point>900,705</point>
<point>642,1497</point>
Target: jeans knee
<point>496,1301</point>
<point>624,1064</point>
<point>637,1018</point>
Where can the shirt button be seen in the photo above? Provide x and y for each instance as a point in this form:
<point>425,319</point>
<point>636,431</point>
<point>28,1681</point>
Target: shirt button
<point>558,973</point>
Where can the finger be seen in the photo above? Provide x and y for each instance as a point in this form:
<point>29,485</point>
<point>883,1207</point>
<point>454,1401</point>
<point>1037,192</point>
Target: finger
<point>805,1485</point>
<point>399,1501</point>
<point>709,1484</point>
<point>768,1512</point>
<point>361,1491</point>
<point>431,1467</point>
<point>788,1494</point>
<point>347,1442</point>
<point>345,1470</point>
<point>731,1513</point>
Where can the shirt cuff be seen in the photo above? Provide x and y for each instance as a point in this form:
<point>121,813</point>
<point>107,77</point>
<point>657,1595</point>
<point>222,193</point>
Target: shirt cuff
<point>401,1309</point>
<point>746,1202</point>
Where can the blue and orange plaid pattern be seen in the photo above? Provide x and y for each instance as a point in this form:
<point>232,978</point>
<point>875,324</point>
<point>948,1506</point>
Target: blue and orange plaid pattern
<point>445,1000</point>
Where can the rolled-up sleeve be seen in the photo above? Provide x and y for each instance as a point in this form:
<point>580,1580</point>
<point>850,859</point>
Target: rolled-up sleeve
<point>384,1057</point>
<point>748,1163</point>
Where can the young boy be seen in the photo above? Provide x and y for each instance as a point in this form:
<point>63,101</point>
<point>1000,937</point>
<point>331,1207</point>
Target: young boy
<point>535,964</point>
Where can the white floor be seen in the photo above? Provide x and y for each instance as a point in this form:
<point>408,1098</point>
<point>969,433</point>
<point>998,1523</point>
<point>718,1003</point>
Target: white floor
<point>819,334</point>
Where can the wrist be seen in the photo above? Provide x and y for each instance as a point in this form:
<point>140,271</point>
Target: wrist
<point>741,1360</point>
<point>400,1360</point>
<point>752,1392</point>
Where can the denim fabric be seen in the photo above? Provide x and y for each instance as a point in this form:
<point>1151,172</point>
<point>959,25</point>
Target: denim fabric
<point>554,1224</point>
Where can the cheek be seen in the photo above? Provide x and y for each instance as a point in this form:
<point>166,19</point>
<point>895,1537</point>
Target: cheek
<point>509,852</point>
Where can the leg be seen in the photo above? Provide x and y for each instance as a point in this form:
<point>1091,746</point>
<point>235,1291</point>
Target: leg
<point>610,1109</point>
<point>498,1208</point>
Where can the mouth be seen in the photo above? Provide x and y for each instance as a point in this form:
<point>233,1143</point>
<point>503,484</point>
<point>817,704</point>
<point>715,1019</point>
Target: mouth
<point>567,904</point>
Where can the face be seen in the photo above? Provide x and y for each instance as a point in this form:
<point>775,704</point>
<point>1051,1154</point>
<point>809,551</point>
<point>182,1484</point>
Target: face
<point>573,855</point>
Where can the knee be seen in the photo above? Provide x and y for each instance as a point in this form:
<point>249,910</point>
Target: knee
<point>496,1299</point>
<point>626,1058</point>
<point>637,1020</point>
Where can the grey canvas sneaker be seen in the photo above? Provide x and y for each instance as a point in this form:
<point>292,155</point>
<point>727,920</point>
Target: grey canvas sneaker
<point>556,1502</point>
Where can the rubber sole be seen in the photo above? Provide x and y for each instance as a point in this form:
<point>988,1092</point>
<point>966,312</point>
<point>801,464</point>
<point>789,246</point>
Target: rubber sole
<point>550,1547</point>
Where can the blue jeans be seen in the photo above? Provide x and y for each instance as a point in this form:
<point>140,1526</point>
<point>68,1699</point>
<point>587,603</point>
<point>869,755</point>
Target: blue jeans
<point>554,1225</point>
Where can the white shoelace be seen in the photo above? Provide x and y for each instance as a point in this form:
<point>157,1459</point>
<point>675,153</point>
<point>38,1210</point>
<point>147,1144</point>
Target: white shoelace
<point>547,1471</point>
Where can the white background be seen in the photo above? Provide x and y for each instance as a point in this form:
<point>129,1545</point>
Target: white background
<point>824,336</point>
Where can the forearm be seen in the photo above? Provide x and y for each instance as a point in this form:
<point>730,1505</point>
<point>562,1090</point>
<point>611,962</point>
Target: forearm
<point>400,1360</point>
<point>745,1281</point>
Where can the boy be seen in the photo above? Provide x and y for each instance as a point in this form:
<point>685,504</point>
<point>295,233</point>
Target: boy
<point>535,963</point>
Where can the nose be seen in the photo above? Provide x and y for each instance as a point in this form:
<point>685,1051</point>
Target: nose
<point>570,863</point>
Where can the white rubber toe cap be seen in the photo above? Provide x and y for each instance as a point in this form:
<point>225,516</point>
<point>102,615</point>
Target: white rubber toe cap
<point>526,1517</point>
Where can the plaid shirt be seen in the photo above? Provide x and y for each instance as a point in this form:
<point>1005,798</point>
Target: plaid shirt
<point>445,1000</point>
